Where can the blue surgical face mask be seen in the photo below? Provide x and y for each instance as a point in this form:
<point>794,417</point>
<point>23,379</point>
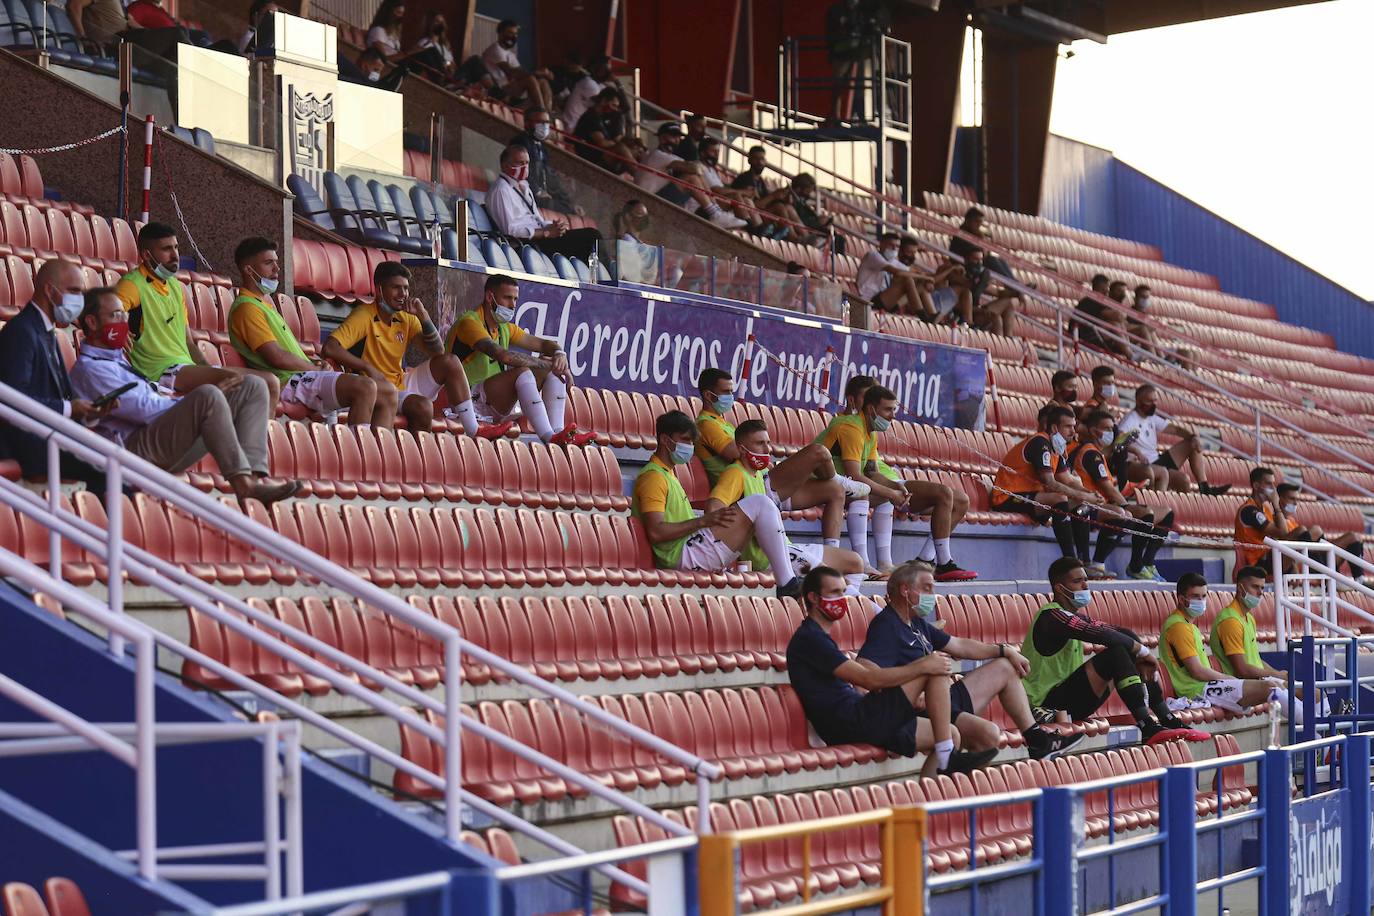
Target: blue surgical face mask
<point>724,402</point>
<point>1106,437</point>
<point>1109,391</point>
<point>504,314</point>
<point>1059,443</point>
<point>1250,601</point>
<point>68,308</point>
<point>1197,607</point>
<point>267,286</point>
<point>879,424</point>
<point>683,452</point>
<point>1080,599</point>
<point>925,605</point>
<point>162,272</point>
<point>540,131</point>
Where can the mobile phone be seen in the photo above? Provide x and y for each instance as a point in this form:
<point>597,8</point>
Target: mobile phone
<point>112,395</point>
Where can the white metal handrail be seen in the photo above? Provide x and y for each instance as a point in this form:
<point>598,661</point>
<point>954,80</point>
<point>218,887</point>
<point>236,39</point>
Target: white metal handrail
<point>69,733</point>
<point>1301,552</point>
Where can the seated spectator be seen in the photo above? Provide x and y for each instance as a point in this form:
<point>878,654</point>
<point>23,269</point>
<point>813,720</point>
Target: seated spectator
<point>507,366</point>
<point>152,15</point>
<point>248,41</point>
<point>852,439</point>
<point>1085,332</point>
<point>260,335</point>
<point>1146,464</point>
<point>1104,391</point>
<point>949,301</point>
<point>373,339</point>
<point>712,542</point>
<point>1064,388</point>
<point>1115,318</point>
<point>97,20</point>
<point>163,349</point>
<point>587,86</point>
<point>509,81</point>
<point>545,183</point>
<point>1034,479</point>
<point>1190,670</point>
<point>905,631</point>
<point>886,714</point>
<point>751,182</point>
<point>228,420</point>
<point>31,362</point>
<point>370,65</point>
<point>893,286</point>
<point>1063,686</point>
<point>802,206</point>
<point>1116,514</point>
<point>689,148</point>
<point>664,173</point>
<point>740,202</point>
<point>1142,334</point>
<point>998,314</point>
<point>973,225</point>
<point>601,131</point>
<point>384,32</point>
<point>631,221</point>
<point>792,488</point>
<point>433,51</point>
<point>515,213</point>
<point>1271,512</point>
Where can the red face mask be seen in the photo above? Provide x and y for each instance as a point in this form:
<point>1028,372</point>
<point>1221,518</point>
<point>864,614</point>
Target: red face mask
<point>519,172</point>
<point>755,462</point>
<point>834,608</point>
<point>114,336</point>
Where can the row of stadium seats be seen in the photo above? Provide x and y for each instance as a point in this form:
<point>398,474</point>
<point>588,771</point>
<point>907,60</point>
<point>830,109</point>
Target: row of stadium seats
<point>771,872</point>
<point>31,231</point>
<point>61,897</point>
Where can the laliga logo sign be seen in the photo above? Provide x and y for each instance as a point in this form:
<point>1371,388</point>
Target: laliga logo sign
<point>1315,850</point>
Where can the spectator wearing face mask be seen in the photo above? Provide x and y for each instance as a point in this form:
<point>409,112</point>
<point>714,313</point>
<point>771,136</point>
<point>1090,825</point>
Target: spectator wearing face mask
<point>631,222</point>
<point>1104,395</point>
<point>600,134</point>
<point>1091,308</point>
<point>384,33</point>
<point>690,147</point>
<point>433,51</point>
<point>892,285</point>
<point>995,312</point>
<point>507,80</point>
<point>803,205</point>
<point>751,181</point>
<point>370,65</point>
<point>1116,318</point>
<point>545,183</point>
<point>1146,464</point>
<point>515,213</point>
<point>1064,385</point>
<point>738,201</point>
<point>1142,335</point>
<point>1271,511</point>
<point>665,174</point>
<point>585,89</point>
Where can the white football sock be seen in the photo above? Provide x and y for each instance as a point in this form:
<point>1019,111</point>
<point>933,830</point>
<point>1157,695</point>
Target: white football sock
<point>769,534</point>
<point>927,551</point>
<point>464,413</point>
<point>882,533</point>
<point>832,542</point>
<point>856,515</point>
<point>555,394</point>
<point>527,393</point>
<point>942,751</point>
<point>942,551</point>
<point>852,583</point>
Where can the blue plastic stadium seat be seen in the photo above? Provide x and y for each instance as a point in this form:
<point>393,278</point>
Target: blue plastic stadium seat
<point>563,267</point>
<point>580,268</point>
<point>512,256</point>
<point>602,276</point>
<point>204,139</point>
<point>529,257</point>
<point>353,221</point>
<point>478,220</point>
<point>422,203</point>
<point>495,255</point>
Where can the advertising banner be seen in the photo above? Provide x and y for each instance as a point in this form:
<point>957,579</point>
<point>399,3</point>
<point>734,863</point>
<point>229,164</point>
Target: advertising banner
<point>1317,857</point>
<point>625,340</point>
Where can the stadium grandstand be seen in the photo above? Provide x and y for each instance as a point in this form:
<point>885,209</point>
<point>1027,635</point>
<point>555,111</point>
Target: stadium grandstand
<point>528,458</point>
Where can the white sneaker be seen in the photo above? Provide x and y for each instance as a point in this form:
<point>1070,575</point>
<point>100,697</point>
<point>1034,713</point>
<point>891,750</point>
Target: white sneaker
<point>853,488</point>
<point>727,220</point>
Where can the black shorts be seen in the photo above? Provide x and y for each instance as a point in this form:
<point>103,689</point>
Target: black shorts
<point>879,717</point>
<point>1075,695</point>
<point>1166,460</point>
<point>675,193</point>
<point>959,703</point>
<point>1023,504</point>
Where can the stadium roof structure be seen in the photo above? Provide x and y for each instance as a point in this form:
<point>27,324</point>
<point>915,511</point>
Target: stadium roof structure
<point>1071,20</point>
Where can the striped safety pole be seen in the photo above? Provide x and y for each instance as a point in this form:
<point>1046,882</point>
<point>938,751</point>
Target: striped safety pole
<point>825,377</point>
<point>147,168</point>
<point>748,356</point>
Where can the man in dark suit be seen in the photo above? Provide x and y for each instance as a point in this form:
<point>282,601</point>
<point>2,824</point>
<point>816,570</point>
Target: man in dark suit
<point>31,362</point>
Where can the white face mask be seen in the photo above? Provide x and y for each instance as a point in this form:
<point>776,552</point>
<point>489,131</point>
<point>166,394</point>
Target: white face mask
<point>374,76</point>
<point>68,308</point>
<point>888,253</point>
<point>1290,508</point>
<point>1106,437</point>
<point>540,131</point>
<point>1109,391</point>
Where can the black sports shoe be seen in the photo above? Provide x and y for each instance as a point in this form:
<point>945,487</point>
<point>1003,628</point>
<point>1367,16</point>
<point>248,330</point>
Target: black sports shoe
<point>1169,720</point>
<point>968,761</point>
<point>1220,489</point>
<point>1043,745</point>
<point>790,589</point>
<point>1043,715</point>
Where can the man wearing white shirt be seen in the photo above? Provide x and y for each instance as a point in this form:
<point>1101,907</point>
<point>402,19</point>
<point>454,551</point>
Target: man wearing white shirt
<point>229,420</point>
<point>510,82</point>
<point>891,285</point>
<point>515,213</point>
<point>662,165</point>
<point>1145,464</point>
<point>585,90</point>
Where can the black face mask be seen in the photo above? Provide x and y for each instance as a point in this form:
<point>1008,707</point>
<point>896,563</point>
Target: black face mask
<point>508,42</point>
<point>710,160</point>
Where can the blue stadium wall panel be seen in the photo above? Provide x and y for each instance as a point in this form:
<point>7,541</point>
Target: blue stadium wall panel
<point>351,835</point>
<point>1089,188</point>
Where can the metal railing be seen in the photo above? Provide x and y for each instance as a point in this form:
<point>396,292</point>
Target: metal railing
<point>297,648</point>
<point>1321,605</point>
<point>281,845</point>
